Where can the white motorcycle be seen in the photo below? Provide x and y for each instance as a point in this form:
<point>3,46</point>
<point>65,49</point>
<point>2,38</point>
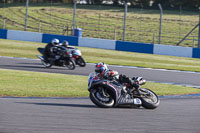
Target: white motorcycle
<point>77,56</point>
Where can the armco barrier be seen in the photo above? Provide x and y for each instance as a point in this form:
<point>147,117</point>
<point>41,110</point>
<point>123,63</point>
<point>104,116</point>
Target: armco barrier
<point>103,43</point>
<point>172,50</point>
<point>46,38</point>
<point>196,53</point>
<point>24,36</point>
<point>134,47</point>
<point>97,43</point>
<point>3,34</point>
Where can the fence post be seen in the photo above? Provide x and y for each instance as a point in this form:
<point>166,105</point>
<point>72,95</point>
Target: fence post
<point>4,23</point>
<point>67,30</point>
<point>39,27</point>
<point>160,31</point>
<point>180,13</point>
<point>99,23</point>
<point>74,16</point>
<point>125,13</point>
<point>114,33</point>
<point>64,29</point>
<point>199,30</point>
<point>153,37</point>
<point>26,16</point>
<point>193,41</point>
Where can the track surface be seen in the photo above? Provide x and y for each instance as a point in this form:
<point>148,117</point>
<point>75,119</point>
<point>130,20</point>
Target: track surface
<point>72,115</point>
<point>80,115</point>
<point>157,75</point>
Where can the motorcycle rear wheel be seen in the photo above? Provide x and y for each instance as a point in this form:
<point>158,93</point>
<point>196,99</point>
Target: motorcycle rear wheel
<point>149,99</point>
<point>46,64</point>
<point>94,98</point>
<point>71,64</point>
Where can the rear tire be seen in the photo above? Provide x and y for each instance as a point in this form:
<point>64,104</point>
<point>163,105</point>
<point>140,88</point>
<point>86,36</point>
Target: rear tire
<point>100,103</point>
<point>71,64</point>
<point>46,64</point>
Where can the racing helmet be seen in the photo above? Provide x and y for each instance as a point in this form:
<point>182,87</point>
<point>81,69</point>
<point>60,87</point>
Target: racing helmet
<point>101,68</point>
<point>55,41</point>
<point>65,43</point>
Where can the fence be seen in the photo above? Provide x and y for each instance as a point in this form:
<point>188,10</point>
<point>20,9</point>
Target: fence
<point>103,21</point>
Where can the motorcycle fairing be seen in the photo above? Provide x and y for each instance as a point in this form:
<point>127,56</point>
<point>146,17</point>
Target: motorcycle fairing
<point>41,50</point>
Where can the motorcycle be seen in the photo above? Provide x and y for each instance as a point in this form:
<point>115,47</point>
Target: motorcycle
<point>77,55</point>
<point>62,58</point>
<point>110,93</point>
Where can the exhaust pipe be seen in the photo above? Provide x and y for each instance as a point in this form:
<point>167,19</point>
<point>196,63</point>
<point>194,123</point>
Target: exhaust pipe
<point>40,57</point>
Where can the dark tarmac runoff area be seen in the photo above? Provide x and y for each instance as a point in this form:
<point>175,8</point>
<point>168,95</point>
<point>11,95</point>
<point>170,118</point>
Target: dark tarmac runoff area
<point>80,115</point>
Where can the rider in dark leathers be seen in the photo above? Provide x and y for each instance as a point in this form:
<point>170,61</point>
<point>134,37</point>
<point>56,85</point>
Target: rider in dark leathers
<point>48,51</point>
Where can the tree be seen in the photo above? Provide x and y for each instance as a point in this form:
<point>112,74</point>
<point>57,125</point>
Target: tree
<point>177,3</point>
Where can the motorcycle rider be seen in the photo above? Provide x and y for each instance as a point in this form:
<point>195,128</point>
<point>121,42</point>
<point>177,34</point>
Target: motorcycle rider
<point>65,44</point>
<point>103,72</point>
<point>48,51</point>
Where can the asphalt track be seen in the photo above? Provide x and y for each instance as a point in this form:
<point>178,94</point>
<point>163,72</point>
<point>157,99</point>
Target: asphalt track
<point>80,115</point>
<point>157,75</point>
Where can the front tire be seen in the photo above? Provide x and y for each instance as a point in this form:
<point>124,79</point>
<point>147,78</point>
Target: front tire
<point>94,97</point>
<point>81,62</point>
<point>149,99</point>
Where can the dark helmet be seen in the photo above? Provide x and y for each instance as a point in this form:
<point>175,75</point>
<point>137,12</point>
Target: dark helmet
<point>65,43</point>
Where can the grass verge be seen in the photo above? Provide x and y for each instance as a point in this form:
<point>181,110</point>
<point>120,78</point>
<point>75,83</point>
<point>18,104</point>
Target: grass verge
<point>92,55</point>
<point>37,84</point>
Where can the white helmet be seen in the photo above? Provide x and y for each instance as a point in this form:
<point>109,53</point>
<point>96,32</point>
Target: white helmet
<point>55,41</point>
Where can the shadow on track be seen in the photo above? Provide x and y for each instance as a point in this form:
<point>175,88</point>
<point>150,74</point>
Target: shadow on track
<point>31,67</point>
<point>67,105</point>
<point>10,66</point>
<point>82,105</point>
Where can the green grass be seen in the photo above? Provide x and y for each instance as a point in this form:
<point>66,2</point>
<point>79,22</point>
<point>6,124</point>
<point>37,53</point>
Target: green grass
<point>92,55</point>
<point>104,22</point>
<point>37,84</point>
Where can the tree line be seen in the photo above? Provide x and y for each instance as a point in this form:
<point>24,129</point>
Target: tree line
<point>34,1</point>
<point>145,3</point>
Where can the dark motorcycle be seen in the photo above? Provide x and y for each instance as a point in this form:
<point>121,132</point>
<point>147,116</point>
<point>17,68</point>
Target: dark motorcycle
<point>110,93</point>
<point>77,55</point>
<point>63,58</point>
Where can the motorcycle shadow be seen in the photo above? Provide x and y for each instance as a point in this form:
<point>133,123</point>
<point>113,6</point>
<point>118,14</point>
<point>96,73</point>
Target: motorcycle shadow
<point>80,105</point>
<point>59,104</point>
<point>129,107</point>
<point>38,65</point>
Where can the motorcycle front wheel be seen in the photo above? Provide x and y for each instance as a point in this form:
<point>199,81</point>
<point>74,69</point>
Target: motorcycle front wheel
<point>149,99</point>
<point>101,100</point>
<point>81,62</point>
<point>71,64</point>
